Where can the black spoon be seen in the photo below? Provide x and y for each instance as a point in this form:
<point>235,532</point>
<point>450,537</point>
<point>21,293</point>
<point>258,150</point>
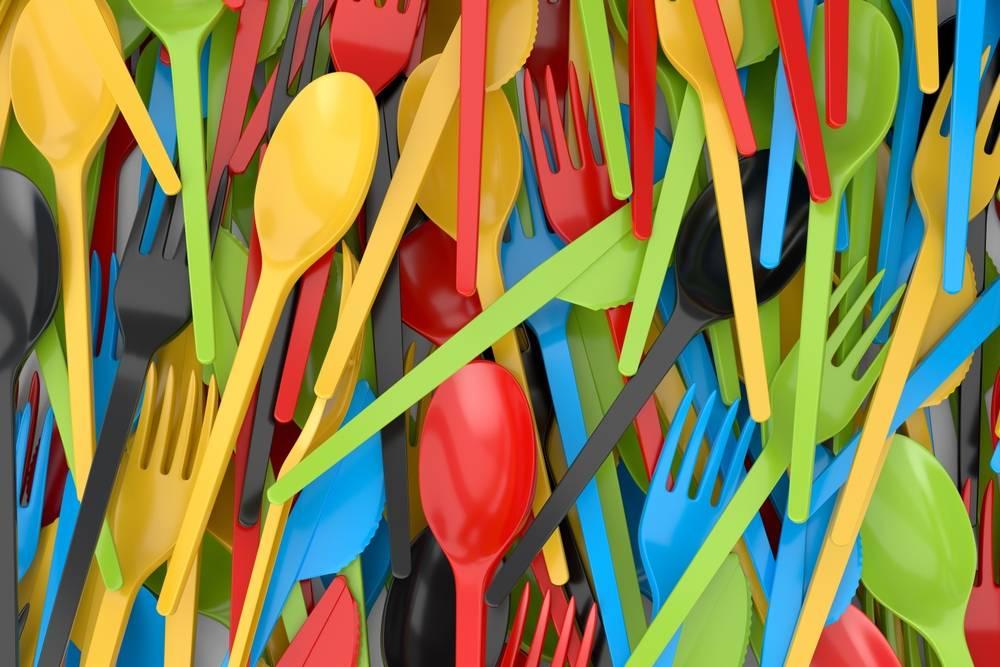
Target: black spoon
<point>702,299</point>
<point>418,626</point>
<point>29,287</point>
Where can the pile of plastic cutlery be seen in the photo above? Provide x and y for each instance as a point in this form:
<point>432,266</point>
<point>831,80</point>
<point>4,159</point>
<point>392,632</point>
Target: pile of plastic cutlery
<point>499,332</point>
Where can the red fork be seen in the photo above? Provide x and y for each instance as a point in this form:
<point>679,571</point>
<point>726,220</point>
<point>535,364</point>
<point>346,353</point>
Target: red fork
<point>982,616</point>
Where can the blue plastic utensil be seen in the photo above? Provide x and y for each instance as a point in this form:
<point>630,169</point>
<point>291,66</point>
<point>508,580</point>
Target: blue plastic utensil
<point>29,516</point>
<point>161,110</point>
<point>519,256</point>
<point>673,523</point>
<point>332,522</point>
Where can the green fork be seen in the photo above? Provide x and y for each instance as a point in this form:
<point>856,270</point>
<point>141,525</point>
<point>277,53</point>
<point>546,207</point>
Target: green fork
<point>841,395</point>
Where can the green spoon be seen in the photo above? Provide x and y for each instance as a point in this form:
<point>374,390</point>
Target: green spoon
<point>130,27</point>
<point>182,26</point>
<point>718,629</point>
<point>920,553</point>
<point>874,77</point>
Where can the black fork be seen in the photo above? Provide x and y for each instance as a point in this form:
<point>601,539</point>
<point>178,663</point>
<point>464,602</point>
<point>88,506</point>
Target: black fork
<point>153,305</point>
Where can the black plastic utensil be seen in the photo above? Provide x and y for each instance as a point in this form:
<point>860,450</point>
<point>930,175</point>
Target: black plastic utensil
<point>702,299</point>
<point>29,287</point>
<point>154,304</point>
<point>418,625</point>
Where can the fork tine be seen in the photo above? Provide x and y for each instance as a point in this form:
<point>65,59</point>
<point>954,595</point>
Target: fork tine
<point>985,573</point>
<point>532,113</point>
<point>177,461</point>
<point>845,285</point>
<point>139,222</point>
<point>146,409</point>
<point>513,646</point>
<point>163,226</point>
<point>207,420</point>
<point>565,632</point>
<point>853,315</point>
<point>109,341</point>
<point>281,98</point>
<point>157,447</point>
<point>734,469</point>
<point>867,380</point>
<point>587,641</point>
<point>21,445</point>
<point>857,353</point>
<point>535,652</point>
<point>666,459</point>
<point>936,120</point>
<point>580,126</point>
<point>563,159</point>
<point>309,59</point>
<point>41,470</point>
<point>711,471</point>
<point>986,120</point>
<point>686,473</point>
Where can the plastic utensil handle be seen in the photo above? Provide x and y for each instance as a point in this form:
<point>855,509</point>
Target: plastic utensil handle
<point>472,88</point>
<point>96,497</point>
<point>573,433</point>
<point>74,264</point>
<point>605,87</point>
<point>428,124</point>
<point>271,294</point>
<point>8,559</point>
<point>925,27</point>
<point>872,448</point>
<point>720,54</point>
<point>179,630</point>
<point>528,295</point>
<point>112,617</point>
<point>681,168</point>
<point>185,67</point>
<point>785,594</point>
<point>837,30</point>
<point>102,47</point>
<point>661,357</point>
<point>739,265</point>
<point>964,111</point>
<point>642,109</point>
<point>812,342</point>
<point>470,613</point>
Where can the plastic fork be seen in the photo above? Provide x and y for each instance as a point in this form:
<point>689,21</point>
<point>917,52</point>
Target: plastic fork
<point>32,486</point>
<point>577,198</point>
<point>675,521</point>
<point>512,651</point>
<point>982,616</point>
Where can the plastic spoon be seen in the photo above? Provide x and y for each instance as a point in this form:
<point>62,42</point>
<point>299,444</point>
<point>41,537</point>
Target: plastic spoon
<point>65,110</point>
<point>296,183</point>
<point>182,26</point>
<point>874,66</point>
<point>477,475</point>
<point>28,257</point>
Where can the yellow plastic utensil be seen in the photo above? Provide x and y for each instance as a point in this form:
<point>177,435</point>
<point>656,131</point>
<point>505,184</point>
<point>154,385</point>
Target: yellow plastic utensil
<point>501,181</point>
<point>9,15</point>
<point>925,35</point>
<point>65,110</point>
<point>930,188</point>
<point>682,41</point>
<point>277,514</point>
<point>312,182</point>
<point>104,45</point>
<point>155,482</point>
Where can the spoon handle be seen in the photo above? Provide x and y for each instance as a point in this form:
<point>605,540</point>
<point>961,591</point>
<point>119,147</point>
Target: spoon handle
<point>470,614</point>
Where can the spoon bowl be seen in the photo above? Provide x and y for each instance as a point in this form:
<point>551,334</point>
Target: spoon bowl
<point>682,40</point>
<point>177,16</point>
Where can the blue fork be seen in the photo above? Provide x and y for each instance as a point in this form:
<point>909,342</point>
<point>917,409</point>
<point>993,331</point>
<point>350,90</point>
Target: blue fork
<point>29,515</point>
<point>675,521</point>
<point>518,257</point>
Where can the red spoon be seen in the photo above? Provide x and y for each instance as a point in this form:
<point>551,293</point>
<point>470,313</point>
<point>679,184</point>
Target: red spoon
<point>477,477</point>
<point>853,640</point>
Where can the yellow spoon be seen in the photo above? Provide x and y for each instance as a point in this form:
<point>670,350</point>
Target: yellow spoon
<point>65,110</point>
<point>500,183</point>
<point>930,188</point>
<point>312,182</point>
<point>102,42</point>
<point>682,41</point>
<point>277,514</point>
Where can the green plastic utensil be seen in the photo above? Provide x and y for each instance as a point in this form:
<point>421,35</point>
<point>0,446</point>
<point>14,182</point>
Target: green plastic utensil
<point>528,295</point>
<point>183,26</point>
<point>130,27</point>
<point>602,74</point>
<point>874,78</point>
<point>920,553</point>
<point>717,631</point>
<point>760,37</point>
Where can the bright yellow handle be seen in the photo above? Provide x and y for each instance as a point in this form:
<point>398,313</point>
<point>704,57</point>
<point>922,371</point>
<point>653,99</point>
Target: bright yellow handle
<point>75,271</point>
<point>272,290</point>
<point>925,27</point>
<point>109,628</point>
<point>736,246</point>
<point>179,628</point>
<point>102,46</point>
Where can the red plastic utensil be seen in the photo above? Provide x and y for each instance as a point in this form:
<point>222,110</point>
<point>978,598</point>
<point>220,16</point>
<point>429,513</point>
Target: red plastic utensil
<point>853,640</point>
<point>430,304</point>
<point>837,41</point>
<point>355,49</point>
<point>576,199</point>
<point>471,90</point>
<point>477,478</point>
<point>551,49</point>
<point>642,48</point>
<point>795,57</point>
<point>724,65</point>
<point>331,634</point>
<point>246,45</point>
<point>982,616</point>
<point>513,646</point>
<point>995,407</point>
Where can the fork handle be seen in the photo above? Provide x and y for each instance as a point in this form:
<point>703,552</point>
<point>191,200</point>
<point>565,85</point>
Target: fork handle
<point>96,497</point>
<point>109,628</point>
<point>8,557</point>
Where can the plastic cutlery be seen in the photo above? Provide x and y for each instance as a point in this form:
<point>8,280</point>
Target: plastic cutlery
<point>982,620</point>
<point>29,515</point>
<point>925,22</point>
